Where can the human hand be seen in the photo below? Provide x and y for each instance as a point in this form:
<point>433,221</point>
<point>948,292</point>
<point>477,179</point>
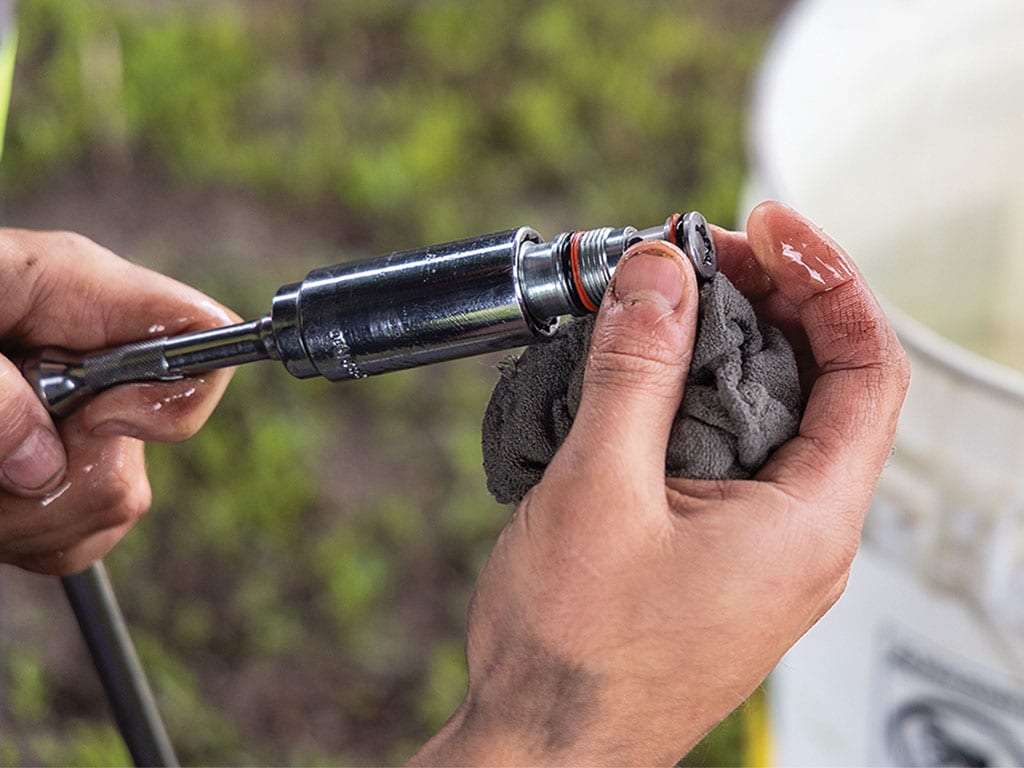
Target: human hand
<point>69,491</point>
<point>622,614</point>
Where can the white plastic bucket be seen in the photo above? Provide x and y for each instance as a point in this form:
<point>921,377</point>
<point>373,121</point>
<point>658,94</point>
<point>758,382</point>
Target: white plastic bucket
<point>898,126</point>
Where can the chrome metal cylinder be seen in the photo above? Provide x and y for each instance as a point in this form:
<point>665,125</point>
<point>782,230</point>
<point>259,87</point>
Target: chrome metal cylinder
<point>408,308</point>
<point>402,310</point>
<point>544,277</point>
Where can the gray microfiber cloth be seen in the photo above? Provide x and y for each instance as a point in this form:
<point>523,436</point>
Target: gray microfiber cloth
<point>742,399</point>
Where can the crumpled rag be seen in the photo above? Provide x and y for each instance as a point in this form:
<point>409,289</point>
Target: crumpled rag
<point>742,399</point>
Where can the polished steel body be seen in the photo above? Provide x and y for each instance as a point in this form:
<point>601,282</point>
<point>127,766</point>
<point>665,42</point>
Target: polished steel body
<point>401,310</point>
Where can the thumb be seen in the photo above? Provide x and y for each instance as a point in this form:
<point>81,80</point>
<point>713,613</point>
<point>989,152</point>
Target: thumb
<point>32,457</point>
<point>639,355</point>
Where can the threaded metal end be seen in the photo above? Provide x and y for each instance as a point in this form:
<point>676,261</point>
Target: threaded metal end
<point>594,273</point>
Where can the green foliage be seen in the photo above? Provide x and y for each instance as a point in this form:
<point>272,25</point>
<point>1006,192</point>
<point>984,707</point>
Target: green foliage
<point>87,744</point>
<point>10,754</point>
<point>184,119</point>
<point>40,134</point>
<point>299,589</point>
<point>358,572</point>
<point>26,688</point>
<point>199,729</point>
<point>444,684</point>
<point>724,746</point>
<point>425,120</point>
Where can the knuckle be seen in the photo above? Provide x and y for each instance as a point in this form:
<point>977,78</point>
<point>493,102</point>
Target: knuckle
<point>72,240</point>
<point>53,249</point>
<point>853,331</point>
<point>613,369</point>
<point>125,499</point>
<point>646,360</point>
<point>36,266</point>
<point>134,504</point>
<point>619,335</point>
<point>857,336</point>
<point>72,244</point>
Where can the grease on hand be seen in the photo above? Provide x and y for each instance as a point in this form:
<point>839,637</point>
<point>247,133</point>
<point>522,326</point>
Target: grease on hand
<point>185,395</point>
<point>830,273</point>
<point>56,494</point>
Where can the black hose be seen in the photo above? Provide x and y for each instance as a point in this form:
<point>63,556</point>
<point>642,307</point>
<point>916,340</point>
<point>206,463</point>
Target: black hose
<point>117,664</point>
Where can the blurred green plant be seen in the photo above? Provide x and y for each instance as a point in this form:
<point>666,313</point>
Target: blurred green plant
<point>299,589</point>
<point>86,744</point>
<point>427,119</point>
<point>26,686</point>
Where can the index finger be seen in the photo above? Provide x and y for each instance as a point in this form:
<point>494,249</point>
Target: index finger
<point>850,419</point>
<point>61,289</point>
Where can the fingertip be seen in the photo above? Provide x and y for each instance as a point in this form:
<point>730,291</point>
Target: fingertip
<point>37,465</point>
<point>766,221</point>
<point>653,270</point>
<point>800,258</point>
<point>764,209</point>
<point>768,215</point>
<point>32,457</point>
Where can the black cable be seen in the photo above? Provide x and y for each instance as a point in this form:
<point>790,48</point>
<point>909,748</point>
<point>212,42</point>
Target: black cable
<point>117,664</point>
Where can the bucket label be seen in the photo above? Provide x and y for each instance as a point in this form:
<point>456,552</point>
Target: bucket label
<point>937,708</point>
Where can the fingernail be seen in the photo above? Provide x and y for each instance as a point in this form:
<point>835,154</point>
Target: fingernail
<point>37,463</point>
<point>651,271</point>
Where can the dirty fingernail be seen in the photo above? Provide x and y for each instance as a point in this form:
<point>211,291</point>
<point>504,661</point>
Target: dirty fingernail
<point>37,463</point>
<point>653,270</point>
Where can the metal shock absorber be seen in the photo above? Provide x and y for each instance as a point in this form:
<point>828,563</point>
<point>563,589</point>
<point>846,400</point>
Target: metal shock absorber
<point>402,310</point>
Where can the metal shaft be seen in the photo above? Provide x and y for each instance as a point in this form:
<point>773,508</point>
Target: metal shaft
<point>218,348</point>
<point>117,664</point>
<point>405,309</point>
<point>62,379</point>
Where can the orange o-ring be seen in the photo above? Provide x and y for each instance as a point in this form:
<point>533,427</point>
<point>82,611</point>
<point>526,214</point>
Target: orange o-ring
<point>673,223</point>
<point>574,265</point>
